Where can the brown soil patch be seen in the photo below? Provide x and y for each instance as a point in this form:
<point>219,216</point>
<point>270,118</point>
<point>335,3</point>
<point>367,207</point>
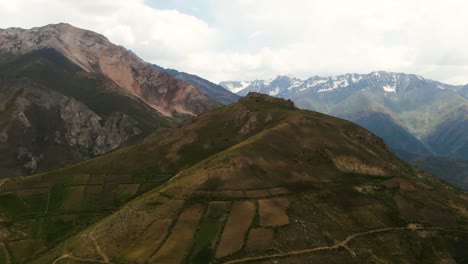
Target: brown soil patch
<point>464,197</point>
<point>238,223</point>
<point>423,185</point>
<point>273,211</point>
<point>260,239</point>
<point>180,240</point>
<point>406,185</point>
<point>398,182</point>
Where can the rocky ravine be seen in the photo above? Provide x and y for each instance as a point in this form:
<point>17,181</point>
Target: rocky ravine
<point>68,94</point>
<point>41,129</point>
<point>95,53</point>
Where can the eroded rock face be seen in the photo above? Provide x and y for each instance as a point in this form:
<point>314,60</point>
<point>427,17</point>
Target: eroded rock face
<point>41,125</point>
<point>95,53</point>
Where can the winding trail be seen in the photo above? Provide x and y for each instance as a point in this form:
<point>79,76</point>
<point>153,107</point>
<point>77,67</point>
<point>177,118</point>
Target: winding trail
<point>69,256</point>
<point>99,249</point>
<point>342,243</point>
<point>105,258</point>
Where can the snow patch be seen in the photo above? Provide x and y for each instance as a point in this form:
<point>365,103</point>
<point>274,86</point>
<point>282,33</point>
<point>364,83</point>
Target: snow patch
<point>340,83</point>
<point>314,83</point>
<point>389,89</point>
<point>235,89</point>
<point>440,87</point>
<point>326,90</point>
<point>295,84</point>
<point>274,92</point>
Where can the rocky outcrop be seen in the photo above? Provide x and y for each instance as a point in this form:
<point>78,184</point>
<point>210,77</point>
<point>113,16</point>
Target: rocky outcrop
<point>95,53</point>
<point>42,129</point>
<point>83,129</point>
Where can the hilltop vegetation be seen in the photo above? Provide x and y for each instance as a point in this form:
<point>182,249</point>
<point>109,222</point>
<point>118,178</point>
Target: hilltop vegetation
<point>255,181</point>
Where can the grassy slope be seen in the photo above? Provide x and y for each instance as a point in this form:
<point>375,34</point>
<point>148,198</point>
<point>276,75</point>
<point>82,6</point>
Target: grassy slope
<point>338,178</point>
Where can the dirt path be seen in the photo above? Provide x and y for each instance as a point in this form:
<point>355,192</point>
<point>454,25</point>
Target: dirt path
<point>99,249</point>
<point>5,251</point>
<point>68,256</point>
<point>342,243</point>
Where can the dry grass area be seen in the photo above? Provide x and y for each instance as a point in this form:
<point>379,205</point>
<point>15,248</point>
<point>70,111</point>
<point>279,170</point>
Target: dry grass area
<point>259,239</point>
<point>237,225</point>
<point>151,240</point>
<point>273,211</point>
<point>180,240</point>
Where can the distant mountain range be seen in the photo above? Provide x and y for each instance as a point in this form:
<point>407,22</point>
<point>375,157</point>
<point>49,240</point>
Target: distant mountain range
<point>68,94</point>
<point>417,117</point>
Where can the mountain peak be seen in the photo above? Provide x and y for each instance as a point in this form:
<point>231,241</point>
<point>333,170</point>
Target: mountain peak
<point>259,97</point>
<point>94,53</point>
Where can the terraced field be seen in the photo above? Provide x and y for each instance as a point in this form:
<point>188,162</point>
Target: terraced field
<point>258,181</point>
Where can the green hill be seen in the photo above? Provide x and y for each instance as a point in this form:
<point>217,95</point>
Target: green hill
<point>255,181</point>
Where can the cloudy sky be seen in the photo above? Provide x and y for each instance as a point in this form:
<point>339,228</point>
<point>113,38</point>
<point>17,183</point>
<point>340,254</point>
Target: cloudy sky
<point>259,39</point>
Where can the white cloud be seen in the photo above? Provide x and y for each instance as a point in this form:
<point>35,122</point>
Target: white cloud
<point>258,39</point>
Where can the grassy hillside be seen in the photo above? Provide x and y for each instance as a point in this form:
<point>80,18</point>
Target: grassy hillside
<point>256,181</point>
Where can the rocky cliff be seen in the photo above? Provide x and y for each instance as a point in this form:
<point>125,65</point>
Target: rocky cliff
<point>95,53</point>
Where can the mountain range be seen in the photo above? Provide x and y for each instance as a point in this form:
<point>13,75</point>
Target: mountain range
<point>135,163</point>
<point>68,94</point>
<point>255,181</point>
<point>417,117</point>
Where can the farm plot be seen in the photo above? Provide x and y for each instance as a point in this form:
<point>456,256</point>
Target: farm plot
<point>180,240</point>
<point>273,211</point>
<point>237,225</point>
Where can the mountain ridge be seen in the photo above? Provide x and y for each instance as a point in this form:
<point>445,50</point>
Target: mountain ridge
<point>69,94</point>
<point>251,180</point>
<point>214,91</point>
<point>416,116</point>
<point>93,52</point>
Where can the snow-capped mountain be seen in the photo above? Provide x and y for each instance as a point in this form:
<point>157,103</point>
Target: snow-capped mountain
<point>416,116</point>
<point>287,86</point>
